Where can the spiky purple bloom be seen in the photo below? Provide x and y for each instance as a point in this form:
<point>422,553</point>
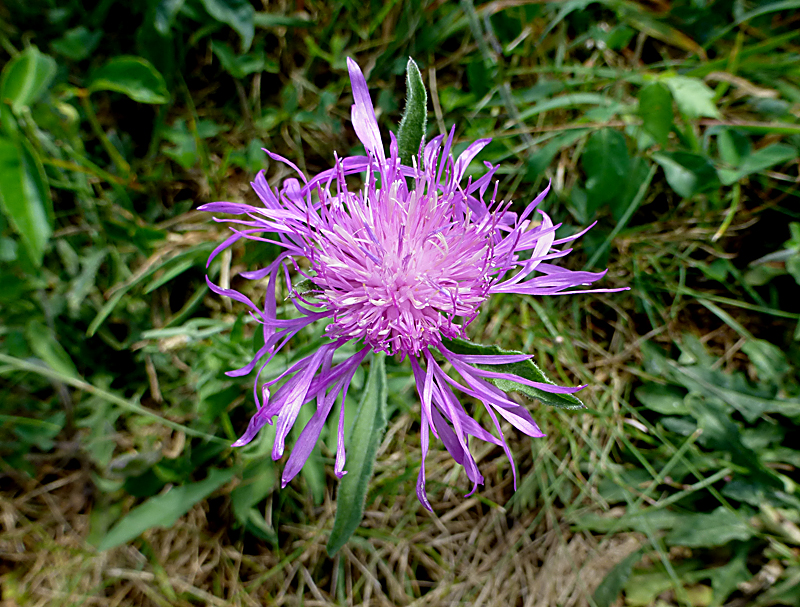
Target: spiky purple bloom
<point>398,269</point>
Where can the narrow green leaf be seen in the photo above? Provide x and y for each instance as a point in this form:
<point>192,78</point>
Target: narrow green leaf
<point>655,108</point>
<point>759,161</point>
<point>131,76</point>
<point>267,20</point>
<point>606,163</point>
<point>526,369</point>
<point>609,589</point>
<point>24,196</point>
<point>570,100</point>
<point>412,127</point>
<point>239,14</point>
<point>26,77</point>
<point>164,510</point>
<point>44,345</point>
<point>368,429</point>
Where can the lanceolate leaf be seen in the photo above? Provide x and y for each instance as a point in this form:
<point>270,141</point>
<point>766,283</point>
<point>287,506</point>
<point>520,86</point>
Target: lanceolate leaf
<point>164,510</point>
<point>412,126</point>
<point>368,429</point>
<point>24,196</point>
<point>526,369</point>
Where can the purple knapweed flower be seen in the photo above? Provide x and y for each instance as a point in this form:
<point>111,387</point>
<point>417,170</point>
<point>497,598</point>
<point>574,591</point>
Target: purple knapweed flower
<point>400,266</point>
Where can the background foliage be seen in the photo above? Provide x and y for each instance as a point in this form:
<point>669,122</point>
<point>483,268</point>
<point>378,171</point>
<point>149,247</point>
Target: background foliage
<point>673,123</point>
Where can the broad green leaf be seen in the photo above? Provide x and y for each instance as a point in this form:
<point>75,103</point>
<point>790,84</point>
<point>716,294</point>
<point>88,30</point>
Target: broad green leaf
<point>24,196</point>
<point>26,77</point>
<point>606,163</point>
<point>688,174</point>
<point>643,587</point>
<point>164,510</point>
<point>713,529</point>
<point>238,66</point>
<point>77,43</point>
<point>758,161</point>
<point>664,399</point>
<point>609,589</point>
<point>655,108</point>
<point>694,98</point>
<point>239,14</point>
<point>412,126</point>
<point>368,429</point>
<point>131,76</point>
<point>526,369</point>
<point>733,146</point>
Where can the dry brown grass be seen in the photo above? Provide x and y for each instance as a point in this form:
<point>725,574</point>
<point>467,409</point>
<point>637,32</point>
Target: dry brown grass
<point>467,556</point>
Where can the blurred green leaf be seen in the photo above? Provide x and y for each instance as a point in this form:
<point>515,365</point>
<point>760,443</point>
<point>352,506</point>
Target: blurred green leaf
<point>258,481</point>
<point>164,510</point>
<point>526,369</point>
<point>539,160</point>
<point>44,345</point>
<point>644,586</point>
<point>238,66</point>
<point>713,529</point>
<point>131,76</point>
<point>165,13</point>
<point>664,399</point>
<point>725,579</point>
<point>39,433</point>
<point>655,108</point>
<point>733,146</point>
<point>758,161</point>
<point>78,43</point>
<point>688,174</point>
<point>368,429</point>
<point>694,98</point>
<point>611,586</point>
<point>25,196</point>
<point>606,163</point>
<point>267,20</point>
<point>769,360</point>
<point>26,77</point>
<point>239,14</point>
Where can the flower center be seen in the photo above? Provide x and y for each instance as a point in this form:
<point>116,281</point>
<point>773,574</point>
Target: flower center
<point>396,269</point>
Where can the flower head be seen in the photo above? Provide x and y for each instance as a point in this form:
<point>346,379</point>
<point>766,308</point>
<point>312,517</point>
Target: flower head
<point>400,266</point>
